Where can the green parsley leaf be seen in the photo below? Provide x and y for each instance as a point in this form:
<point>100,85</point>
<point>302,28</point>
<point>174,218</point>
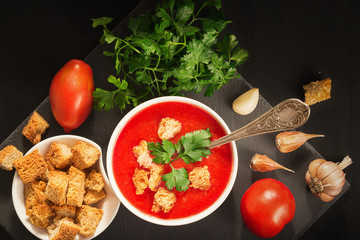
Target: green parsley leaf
<point>103,21</point>
<point>194,146</point>
<point>162,152</point>
<point>184,13</point>
<point>177,178</point>
<point>215,3</point>
<point>105,100</point>
<point>239,55</point>
<point>140,24</point>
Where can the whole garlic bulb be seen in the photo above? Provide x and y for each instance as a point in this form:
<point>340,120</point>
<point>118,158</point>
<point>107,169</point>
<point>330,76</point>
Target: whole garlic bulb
<point>325,178</point>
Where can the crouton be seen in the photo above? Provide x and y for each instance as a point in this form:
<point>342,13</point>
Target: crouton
<point>199,178</point>
<point>140,180</point>
<point>168,128</point>
<point>92,197</point>
<point>94,181</point>
<point>156,172</point>
<point>142,153</point>
<point>317,91</point>
<point>63,229</point>
<point>30,166</point>
<point>88,219</point>
<point>56,187</point>
<point>8,155</point>
<point>40,215</point>
<point>59,155</point>
<point>164,200</point>
<point>84,155</point>
<point>64,211</point>
<point>34,193</point>
<point>76,188</point>
<point>35,127</point>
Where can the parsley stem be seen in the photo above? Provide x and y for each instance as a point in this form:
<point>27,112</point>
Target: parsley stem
<point>126,74</point>
<point>158,62</point>
<point>130,46</point>
<point>180,156</point>
<point>157,83</point>
<point>180,49</point>
<point>180,43</point>
<point>197,14</point>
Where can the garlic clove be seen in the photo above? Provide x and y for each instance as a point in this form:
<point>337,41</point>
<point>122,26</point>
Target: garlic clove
<point>325,197</point>
<point>308,177</point>
<point>314,165</point>
<point>335,187</point>
<point>289,141</point>
<point>262,163</point>
<point>326,169</point>
<point>246,102</point>
<point>338,173</point>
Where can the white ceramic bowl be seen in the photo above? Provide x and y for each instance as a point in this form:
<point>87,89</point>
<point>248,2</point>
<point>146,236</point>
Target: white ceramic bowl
<point>147,217</point>
<point>110,204</point>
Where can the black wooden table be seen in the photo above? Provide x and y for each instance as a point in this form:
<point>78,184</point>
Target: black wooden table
<point>290,44</point>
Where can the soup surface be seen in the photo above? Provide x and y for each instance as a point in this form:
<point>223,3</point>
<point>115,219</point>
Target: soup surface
<point>144,126</point>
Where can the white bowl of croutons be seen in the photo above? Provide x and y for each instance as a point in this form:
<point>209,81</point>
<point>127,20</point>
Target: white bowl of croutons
<point>159,164</point>
<point>60,189</point>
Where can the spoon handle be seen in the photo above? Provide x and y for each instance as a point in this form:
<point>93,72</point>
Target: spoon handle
<point>289,114</point>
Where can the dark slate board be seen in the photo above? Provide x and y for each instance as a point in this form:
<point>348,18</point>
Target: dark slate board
<point>226,221</point>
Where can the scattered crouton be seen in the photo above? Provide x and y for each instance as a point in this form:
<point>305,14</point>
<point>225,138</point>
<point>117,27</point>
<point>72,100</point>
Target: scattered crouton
<point>142,153</point>
<point>200,178</point>
<point>140,180</point>
<point>40,215</point>
<point>94,181</point>
<point>57,186</point>
<point>63,229</point>
<point>8,155</point>
<point>64,211</point>
<point>168,128</point>
<point>91,197</point>
<point>30,166</point>
<point>156,172</point>
<point>76,189</point>
<point>164,200</point>
<point>59,155</point>
<point>88,218</point>
<point>35,127</point>
<point>34,193</point>
<point>317,91</point>
<point>84,155</point>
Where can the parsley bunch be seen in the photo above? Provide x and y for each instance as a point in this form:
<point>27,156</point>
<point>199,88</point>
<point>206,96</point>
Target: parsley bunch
<point>174,49</point>
<point>191,148</point>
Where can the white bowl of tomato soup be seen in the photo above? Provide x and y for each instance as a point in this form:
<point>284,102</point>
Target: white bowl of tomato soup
<point>142,123</point>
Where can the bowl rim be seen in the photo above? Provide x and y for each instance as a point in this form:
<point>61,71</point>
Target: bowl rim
<point>150,218</point>
<point>17,183</point>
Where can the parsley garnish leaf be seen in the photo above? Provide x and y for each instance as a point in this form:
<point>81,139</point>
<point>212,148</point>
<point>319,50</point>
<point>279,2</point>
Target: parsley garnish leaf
<point>194,146</point>
<point>162,152</point>
<point>177,178</point>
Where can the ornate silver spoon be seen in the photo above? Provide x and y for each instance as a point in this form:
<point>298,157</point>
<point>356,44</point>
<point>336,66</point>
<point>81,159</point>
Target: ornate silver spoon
<point>289,114</point>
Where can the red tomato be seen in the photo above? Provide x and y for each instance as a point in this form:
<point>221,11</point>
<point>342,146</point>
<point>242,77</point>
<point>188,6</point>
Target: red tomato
<point>70,94</point>
<point>266,207</point>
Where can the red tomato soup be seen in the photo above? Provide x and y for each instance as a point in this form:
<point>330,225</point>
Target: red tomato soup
<point>144,126</point>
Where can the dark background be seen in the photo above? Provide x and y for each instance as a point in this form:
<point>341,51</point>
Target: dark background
<point>290,43</point>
